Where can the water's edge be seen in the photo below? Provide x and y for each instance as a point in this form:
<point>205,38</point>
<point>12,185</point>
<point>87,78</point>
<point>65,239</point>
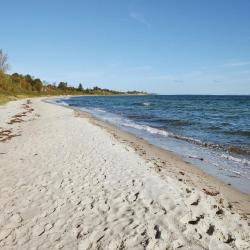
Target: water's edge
<point>232,178</point>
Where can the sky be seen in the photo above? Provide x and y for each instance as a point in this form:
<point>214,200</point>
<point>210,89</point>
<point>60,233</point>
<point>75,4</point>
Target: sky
<point>159,46</point>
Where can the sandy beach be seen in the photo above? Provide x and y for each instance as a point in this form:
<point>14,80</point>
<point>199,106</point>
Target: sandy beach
<point>69,181</point>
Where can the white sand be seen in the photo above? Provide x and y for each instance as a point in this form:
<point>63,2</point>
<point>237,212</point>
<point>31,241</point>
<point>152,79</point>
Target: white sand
<point>68,184</point>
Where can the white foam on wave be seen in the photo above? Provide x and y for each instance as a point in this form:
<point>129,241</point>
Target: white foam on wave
<point>99,110</point>
<point>152,130</point>
<point>146,103</point>
<point>235,159</point>
<point>62,103</point>
<point>57,102</point>
<point>147,128</point>
<point>188,139</point>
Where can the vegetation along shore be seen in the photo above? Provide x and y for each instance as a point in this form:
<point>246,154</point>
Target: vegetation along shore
<point>14,86</point>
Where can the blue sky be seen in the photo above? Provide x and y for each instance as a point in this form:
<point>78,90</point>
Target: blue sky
<point>160,46</point>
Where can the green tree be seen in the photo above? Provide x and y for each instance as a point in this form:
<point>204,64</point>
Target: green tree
<point>62,85</point>
<point>37,85</point>
<point>15,75</point>
<point>80,88</point>
<point>28,78</point>
<point>96,88</point>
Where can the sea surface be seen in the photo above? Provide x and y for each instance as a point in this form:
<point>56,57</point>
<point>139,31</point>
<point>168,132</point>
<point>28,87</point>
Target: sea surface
<point>212,132</point>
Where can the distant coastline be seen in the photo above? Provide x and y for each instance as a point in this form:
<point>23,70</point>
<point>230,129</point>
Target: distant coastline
<point>15,86</point>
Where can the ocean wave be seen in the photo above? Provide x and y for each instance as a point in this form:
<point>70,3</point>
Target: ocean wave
<point>238,150</point>
<point>143,104</point>
<point>99,110</point>
<point>165,133</point>
<point>235,159</point>
<point>225,148</point>
<point>239,132</point>
<point>142,117</point>
<point>147,128</point>
<point>215,128</point>
<point>189,139</point>
<point>62,103</point>
<point>173,122</point>
<point>74,105</point>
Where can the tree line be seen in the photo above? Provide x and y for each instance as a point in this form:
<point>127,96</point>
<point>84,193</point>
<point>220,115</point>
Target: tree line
<point>18,84</point>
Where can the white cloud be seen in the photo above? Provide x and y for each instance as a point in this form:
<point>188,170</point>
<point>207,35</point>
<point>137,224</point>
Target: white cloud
<point>139,17</point>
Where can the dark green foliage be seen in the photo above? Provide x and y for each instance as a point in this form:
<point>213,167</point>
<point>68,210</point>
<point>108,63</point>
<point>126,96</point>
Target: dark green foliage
<point>96,88</point>
<point>62,85</point>
<point>18,84</point>
<point>80,88</point>
<point>37,85</point>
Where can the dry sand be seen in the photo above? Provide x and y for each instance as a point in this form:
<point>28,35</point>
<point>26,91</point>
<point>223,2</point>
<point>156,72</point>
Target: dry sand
<point>71,182</point>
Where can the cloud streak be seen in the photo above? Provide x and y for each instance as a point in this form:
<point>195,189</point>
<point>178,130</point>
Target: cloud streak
<point>139,17</point>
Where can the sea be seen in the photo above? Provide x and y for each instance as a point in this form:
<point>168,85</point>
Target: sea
<point>211,132</point>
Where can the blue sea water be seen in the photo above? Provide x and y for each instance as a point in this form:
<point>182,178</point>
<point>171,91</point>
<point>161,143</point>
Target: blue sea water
<point>213,132</point>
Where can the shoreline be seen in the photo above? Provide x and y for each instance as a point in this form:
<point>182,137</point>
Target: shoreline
<point>167,161</point>
<point>69,181</point>
<point>214,158</point>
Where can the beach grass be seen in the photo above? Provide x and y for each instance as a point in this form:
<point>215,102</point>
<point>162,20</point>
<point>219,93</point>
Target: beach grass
<point>5,98</point>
